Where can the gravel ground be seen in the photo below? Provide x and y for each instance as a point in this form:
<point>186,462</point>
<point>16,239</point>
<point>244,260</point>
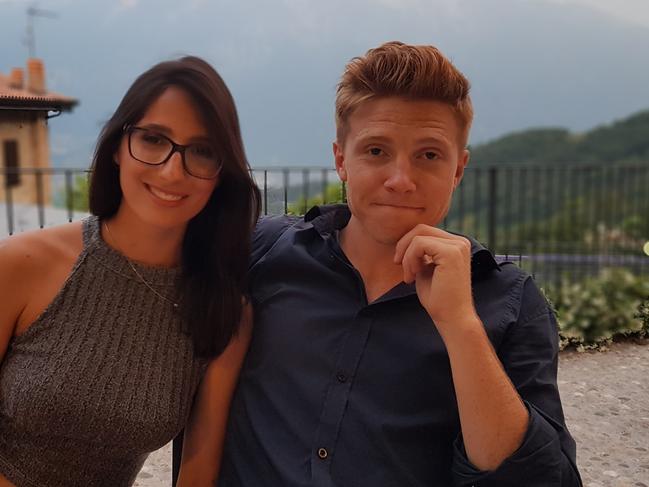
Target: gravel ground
<point>605,397</point>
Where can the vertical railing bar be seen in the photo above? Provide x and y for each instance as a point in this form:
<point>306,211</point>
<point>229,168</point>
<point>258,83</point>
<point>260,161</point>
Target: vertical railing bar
<point>285,175</point>
<point>10,204</point>
<point>69,199</point>
<point>265,191</point>
<point>325,183</point>
<point>460,225</point>
<point>557,194</point>
<point>493,208</point>
<point>476,203</point>
<point>40,203</point>
<point>305,189</point>
<point>507,210</point>
<point>536,174</point>
<point>522,207</point>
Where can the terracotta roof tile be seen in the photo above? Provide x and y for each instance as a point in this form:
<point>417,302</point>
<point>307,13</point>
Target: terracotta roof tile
<point>16,97</point>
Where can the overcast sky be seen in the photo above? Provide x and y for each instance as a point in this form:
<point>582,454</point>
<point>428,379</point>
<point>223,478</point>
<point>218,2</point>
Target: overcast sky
<point>567,63</point>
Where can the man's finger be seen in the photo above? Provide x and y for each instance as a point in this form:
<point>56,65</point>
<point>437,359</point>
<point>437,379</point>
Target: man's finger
<point>425,251</point>
<point>421,230</point>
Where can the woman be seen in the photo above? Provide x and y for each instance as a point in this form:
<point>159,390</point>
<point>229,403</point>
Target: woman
<point>116,331</point>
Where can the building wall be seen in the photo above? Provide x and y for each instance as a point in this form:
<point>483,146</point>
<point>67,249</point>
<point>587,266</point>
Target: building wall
<point>30,131</point>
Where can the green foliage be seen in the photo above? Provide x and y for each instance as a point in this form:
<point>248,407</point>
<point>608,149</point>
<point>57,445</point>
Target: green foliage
<point>594,311</point>
<point>77,196</point>
<point>79,193</point>
<point>333,194</point>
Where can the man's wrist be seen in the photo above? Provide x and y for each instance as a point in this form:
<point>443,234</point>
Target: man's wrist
<point>463,328</point>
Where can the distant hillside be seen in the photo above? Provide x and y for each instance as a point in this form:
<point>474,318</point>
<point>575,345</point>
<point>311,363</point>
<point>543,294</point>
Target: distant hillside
<point>625,140</point>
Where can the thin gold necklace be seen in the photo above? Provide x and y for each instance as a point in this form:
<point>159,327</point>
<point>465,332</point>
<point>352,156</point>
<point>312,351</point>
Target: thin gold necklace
<point>144,281</point>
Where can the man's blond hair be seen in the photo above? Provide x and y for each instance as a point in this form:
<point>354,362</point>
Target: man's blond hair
<point>395,69</point>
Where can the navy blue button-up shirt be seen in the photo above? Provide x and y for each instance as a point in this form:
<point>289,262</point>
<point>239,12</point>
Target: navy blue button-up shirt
<point>336,391</point>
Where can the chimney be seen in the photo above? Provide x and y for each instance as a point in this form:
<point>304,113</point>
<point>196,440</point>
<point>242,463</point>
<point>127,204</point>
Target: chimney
<point>16,78</point>
<point>35,76</point>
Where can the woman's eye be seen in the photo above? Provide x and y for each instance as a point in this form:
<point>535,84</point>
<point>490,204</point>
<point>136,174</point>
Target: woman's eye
<point>152,139</point>
<point>375,151</point>
<point>204,151</point>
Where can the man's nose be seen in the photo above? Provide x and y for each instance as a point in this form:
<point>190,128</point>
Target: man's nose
<point>401,178</point>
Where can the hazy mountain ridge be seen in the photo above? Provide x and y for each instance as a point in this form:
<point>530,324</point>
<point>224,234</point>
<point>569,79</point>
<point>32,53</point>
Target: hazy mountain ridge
<point>625,140</point>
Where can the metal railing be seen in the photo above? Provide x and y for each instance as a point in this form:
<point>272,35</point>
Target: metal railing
<point>558,222</point>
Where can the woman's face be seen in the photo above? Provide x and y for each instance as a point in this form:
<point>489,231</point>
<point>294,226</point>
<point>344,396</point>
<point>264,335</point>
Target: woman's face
<point>165,195</point>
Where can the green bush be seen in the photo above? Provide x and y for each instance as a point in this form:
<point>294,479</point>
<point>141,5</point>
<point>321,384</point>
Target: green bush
<point>77,196</point>
<point>594,311</point>
<point>333,194</point>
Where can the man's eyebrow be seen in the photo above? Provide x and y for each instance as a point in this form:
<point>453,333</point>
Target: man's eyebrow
<point>370,137</point>
<point>434,140</point>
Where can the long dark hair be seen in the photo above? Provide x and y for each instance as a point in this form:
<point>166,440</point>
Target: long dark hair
<point>217,241</point>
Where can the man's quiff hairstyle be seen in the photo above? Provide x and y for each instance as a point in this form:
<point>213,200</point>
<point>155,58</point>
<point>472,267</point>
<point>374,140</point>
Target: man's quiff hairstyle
<point>402,70</point>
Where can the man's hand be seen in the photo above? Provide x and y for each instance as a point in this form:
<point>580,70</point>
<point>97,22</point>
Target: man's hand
<point>492,415</point>
<point>440,265</point>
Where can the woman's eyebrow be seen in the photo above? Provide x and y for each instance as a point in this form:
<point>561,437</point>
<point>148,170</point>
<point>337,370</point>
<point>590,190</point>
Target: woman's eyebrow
<point>157,127</point>
<point>163,129</point>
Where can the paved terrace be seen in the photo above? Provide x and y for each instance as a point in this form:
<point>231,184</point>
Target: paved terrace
<point>606,400</point>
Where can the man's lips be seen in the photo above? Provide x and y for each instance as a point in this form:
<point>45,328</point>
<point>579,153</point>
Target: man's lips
<point>400,206</point>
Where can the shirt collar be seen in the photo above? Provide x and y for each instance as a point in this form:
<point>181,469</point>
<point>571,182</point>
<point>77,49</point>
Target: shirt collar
<point>326,220</point>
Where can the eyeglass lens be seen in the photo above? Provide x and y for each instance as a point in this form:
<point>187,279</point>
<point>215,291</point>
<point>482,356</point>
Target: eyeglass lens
<point>152,148</point>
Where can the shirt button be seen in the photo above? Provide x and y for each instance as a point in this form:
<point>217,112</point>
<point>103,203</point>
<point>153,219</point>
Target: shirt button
<point>341,377</point>
<point>322,453</point>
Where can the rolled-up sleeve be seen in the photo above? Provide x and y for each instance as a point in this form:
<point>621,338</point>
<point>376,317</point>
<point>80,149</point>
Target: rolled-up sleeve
<point>529,354</point>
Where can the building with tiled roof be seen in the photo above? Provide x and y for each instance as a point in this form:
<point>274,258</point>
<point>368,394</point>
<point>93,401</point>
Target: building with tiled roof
<point>25,107</point>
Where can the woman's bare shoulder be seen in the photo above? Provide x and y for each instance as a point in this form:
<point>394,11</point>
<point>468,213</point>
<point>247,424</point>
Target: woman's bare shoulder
<point>39,250</point>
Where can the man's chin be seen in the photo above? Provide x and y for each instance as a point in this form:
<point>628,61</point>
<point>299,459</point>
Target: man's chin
<point>388,236</point>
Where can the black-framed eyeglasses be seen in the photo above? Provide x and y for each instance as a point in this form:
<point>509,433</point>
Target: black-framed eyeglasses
<point>150,147</point>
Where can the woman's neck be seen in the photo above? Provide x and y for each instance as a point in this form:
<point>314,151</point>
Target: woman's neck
<point>143,242</point>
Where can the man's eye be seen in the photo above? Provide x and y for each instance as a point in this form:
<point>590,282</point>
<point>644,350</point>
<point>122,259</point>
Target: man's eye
<point>430,155</point>
<point>375,151</point>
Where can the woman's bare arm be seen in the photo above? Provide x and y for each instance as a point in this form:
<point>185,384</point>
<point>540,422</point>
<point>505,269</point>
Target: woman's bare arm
<point>205,431</point>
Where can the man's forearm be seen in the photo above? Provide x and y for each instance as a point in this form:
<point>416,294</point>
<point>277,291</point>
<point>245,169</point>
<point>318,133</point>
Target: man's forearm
<point>492,415</point>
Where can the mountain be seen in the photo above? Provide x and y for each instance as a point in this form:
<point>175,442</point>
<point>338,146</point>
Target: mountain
<point>625,140</point>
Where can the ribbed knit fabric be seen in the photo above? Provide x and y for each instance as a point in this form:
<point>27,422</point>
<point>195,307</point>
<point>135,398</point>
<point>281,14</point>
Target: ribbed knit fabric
<point>104,376</point>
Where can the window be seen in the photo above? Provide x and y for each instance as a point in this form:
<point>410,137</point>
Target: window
<point>12,178</point>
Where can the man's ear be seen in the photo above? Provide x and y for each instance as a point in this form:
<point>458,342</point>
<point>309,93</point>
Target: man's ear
<point>339,158</point>
<point>461,165</point>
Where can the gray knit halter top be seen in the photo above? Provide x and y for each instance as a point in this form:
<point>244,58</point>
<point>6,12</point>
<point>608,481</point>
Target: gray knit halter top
<point>104,376</point>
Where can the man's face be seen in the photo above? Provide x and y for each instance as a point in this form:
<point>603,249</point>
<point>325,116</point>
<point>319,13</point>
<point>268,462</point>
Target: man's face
<point>401,160</point>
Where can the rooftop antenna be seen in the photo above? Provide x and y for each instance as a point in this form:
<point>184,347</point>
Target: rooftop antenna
<point>33,12</point>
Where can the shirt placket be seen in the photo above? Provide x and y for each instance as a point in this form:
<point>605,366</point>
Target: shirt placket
<point>324,447</point>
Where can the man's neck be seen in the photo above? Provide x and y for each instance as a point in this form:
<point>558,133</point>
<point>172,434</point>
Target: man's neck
<point>372,259</point>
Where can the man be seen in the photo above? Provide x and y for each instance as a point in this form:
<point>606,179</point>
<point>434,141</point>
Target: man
<point>388,352</point>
